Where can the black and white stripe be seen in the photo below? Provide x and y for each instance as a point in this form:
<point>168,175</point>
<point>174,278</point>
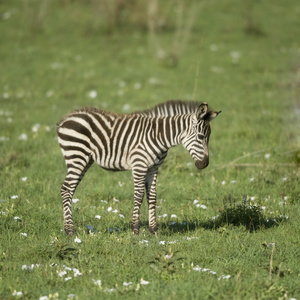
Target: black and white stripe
<point>137,142</point>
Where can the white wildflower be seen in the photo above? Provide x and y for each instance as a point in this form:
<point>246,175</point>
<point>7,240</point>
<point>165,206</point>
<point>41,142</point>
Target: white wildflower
<point>5,95</point>
<point>153,80</point>
<point>23,137</point>
<point>62,273</point>
<point>68,278</point>
<point>109,290</point>
<point>163,216</point>
<point>76,272</point>
<point>14,197</point>
<point>224,277</point>
<point>36,127</point>
<point>267,155</point>
<point>137,86</point>
<point>195,201</point>
<point>235,56</point>
<point>15,293</point>
<point>93,94</point>
<point>121,216</point>
<point>77,240</point>
<point>201,206</point>
<point>127,283</point>
<point>97,282</point>
<point>144,242</point>
<point>24,178</point>
<point>173,216</point>
<point>162,242</point>
<point>98,217</point>
<point>205,270</point>
<point>104,201</point>
<point>24,234</point>
<point>49,94</point>
<point>126,107</point>
<point>75,200</point>
<point>173,242</point>
<point>144,282</point>
<point>109,209</point>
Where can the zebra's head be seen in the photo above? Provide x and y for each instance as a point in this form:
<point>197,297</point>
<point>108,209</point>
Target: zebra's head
<point>196,141</point>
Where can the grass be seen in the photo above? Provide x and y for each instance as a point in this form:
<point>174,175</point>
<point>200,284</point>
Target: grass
<point>241,58</point>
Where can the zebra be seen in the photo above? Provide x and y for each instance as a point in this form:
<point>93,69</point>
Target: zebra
<point>137,141</point>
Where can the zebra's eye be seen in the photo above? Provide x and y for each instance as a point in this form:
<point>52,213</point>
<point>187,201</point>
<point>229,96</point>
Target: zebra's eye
<point>200,136</point>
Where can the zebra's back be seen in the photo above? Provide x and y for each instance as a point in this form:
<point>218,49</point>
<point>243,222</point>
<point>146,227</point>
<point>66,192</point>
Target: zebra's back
<point>109,139</point>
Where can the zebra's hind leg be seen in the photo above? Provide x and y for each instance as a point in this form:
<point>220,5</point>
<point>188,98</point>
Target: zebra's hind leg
<point>76,171</point>
<point>151,198</point>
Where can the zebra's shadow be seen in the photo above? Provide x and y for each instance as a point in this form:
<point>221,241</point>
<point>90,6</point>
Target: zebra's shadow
<point>219,223</point>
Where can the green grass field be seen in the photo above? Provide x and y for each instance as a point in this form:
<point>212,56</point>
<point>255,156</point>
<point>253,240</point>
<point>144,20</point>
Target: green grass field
<point>241,238</point>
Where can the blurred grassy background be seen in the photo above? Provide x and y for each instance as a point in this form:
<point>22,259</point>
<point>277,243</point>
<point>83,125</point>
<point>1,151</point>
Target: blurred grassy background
<point>242,57</point>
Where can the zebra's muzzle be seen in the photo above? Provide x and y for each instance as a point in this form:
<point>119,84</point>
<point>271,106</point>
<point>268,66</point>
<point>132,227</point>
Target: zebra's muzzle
<point>202,164</point>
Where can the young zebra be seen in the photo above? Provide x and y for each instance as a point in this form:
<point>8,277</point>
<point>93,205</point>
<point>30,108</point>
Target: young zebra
<point>137,142</point>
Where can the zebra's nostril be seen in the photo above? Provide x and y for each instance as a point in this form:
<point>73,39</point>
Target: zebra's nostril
<point>202,164</point>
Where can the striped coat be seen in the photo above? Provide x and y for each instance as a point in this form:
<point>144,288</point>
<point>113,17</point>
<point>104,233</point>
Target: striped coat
<point>137,142</point>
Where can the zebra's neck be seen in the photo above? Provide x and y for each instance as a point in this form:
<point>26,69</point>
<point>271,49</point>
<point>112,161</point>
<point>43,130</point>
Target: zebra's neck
<point>171,130</point>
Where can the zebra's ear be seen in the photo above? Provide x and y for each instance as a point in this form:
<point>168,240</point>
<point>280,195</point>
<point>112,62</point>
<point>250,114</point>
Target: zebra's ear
<point>210,116</point>
<point>201,111</point>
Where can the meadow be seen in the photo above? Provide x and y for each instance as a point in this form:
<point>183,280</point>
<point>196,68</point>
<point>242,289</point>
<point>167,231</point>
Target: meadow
<point>230,231</point>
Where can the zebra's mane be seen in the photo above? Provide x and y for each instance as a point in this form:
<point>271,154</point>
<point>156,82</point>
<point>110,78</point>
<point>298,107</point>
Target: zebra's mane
<point>171,108</point>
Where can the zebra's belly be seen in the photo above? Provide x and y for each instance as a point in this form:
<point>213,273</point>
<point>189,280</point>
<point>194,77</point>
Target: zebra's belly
<point>113,165</point>
<point>125,161</point>
<point>114,169</point>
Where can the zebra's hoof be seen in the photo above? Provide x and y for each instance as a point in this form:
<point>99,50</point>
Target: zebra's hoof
<point>135,229</point>
<point>153,230</point>
<point>69,231</point>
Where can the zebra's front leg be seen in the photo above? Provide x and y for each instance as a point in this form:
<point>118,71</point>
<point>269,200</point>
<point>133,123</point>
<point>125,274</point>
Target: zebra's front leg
<point>151,198</point>
<point>139,188</point>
